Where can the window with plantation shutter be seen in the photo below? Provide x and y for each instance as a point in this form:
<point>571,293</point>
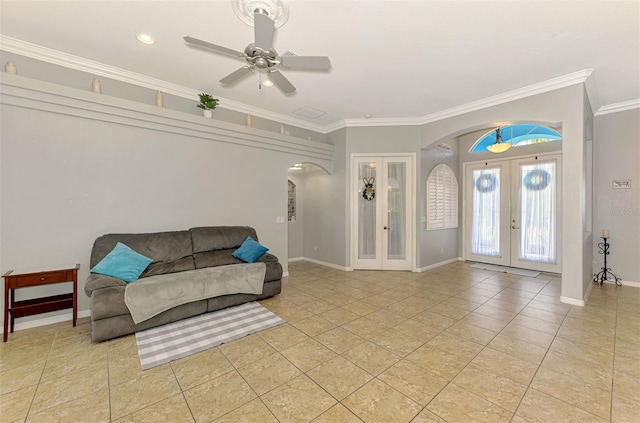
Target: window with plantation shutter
<point>442,198</point>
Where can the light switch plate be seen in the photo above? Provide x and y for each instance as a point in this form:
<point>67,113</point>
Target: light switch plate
<point>280,219</point>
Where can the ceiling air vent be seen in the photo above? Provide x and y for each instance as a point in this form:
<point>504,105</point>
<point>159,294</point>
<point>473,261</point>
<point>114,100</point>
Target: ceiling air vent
<point>309,112</point>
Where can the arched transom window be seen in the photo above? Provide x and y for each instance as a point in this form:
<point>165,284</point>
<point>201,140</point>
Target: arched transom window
<point>517,135</point>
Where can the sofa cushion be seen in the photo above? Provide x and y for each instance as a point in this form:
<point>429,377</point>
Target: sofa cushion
<point>122,263</point>
<point>171,249</point>
<point>165,267</point>
<point>250,250</point>
<point>96,281</point>
<point>211,238</point>
<point>224,257</point>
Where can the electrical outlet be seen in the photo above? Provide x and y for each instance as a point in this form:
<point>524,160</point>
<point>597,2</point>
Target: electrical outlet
<point>441,250</point>
<point>315,248</point>
<point>280,219</point>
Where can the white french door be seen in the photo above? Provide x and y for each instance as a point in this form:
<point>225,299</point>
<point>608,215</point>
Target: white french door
<point>382,212</point>
<point>512,210</point>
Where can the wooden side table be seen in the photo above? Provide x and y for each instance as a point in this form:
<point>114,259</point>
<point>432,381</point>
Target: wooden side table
<point>23,279</point>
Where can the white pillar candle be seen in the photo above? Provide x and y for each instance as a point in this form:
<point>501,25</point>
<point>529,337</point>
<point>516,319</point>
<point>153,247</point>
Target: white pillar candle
<point>159,99</point>
<point>605,233</point>
<point>95,86</point>
<point>282,129</point>
<point>249,120</point>
<point>10,68</point>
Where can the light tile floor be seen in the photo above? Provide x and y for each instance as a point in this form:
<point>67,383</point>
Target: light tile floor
<point>452,344</point>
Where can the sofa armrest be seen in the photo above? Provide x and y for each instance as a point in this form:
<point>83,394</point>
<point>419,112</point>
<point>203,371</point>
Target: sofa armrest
<point>97,281</point>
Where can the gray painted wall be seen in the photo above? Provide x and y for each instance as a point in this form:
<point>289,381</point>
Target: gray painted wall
<point>325,208</point>
<point>616,147</point>
<point>438,245</point>
<point>587,201</point>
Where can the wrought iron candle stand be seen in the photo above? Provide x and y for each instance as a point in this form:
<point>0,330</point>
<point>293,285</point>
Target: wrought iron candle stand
<point>605,273</point>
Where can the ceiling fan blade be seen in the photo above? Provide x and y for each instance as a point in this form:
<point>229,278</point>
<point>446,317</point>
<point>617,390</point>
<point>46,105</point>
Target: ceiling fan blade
<point>210,46</point>
<point>306,62</point>
<point>283,83</point>
<point>263,28</point>
<point>235,75</point>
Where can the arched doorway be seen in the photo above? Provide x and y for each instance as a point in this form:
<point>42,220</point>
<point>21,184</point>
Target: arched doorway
<point>299,176</point>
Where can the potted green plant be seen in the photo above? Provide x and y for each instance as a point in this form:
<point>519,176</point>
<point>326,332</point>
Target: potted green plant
<point>207,104</point>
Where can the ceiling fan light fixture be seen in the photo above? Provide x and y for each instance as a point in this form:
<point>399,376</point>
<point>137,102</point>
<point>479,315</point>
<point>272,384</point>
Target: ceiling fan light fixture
<point>499,146</point>
<point>267,83</point>
<point>277,10</point>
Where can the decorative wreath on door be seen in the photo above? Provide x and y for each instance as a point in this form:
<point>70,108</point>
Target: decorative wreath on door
<point>486,183</point>
<point>369,192</point>
<point>536,179</point>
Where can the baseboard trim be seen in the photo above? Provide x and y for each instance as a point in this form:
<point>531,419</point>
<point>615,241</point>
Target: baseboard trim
<point>331,265</point>
<point>66,317</point>
<point>292,259</point>
<point>442,263</point>
<point>572,301</point>
<point>631,284</point>
<point>586,295</point>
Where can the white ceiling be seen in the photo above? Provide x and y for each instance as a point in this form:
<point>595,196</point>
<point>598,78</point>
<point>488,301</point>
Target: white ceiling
<point>390,59</point>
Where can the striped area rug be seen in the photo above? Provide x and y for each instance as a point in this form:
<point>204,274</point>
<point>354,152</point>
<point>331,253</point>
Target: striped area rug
<point>180,339</point>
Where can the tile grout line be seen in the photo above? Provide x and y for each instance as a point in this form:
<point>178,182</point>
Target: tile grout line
<point>540,365</point>
<point>173,371</point>
<point>613,365</point>
<point>483,348</point>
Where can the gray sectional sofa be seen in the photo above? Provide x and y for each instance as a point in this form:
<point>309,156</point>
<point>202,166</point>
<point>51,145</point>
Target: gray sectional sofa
<point>172,252</point>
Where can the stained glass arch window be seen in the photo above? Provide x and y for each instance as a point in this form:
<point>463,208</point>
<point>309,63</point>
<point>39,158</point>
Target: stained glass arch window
<point>518,135</point>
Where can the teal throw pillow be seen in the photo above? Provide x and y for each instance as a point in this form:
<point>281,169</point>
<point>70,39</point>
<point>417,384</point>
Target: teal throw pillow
<point>250,250</point>
<point>122,263</point>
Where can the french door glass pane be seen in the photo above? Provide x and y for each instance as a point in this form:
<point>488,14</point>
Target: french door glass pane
<point>485,222</point>
<point>396,191</point>
<point>367,213</point>
<point>538,212</point>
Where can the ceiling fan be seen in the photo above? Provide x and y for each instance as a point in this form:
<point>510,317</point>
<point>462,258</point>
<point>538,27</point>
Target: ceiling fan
<point>261,55</point>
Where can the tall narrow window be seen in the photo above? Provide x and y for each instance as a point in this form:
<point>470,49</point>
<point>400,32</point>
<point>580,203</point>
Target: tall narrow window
<point>538,212</point>
<point>442,198</point>
<point>291,203</point>
<point>485,225</point>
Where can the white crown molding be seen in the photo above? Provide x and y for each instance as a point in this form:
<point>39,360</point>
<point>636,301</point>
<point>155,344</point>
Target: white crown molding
<point>48,55</point>
<point>520,93</point>
<point>56,57</point>
<point>618,107</point>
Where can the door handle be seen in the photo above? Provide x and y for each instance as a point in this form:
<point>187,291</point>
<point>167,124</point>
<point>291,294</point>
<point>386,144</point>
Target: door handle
<point>515,227</point>
<point>385,228</point>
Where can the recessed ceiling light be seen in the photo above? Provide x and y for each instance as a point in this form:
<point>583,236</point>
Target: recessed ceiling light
<point>145,38</point>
